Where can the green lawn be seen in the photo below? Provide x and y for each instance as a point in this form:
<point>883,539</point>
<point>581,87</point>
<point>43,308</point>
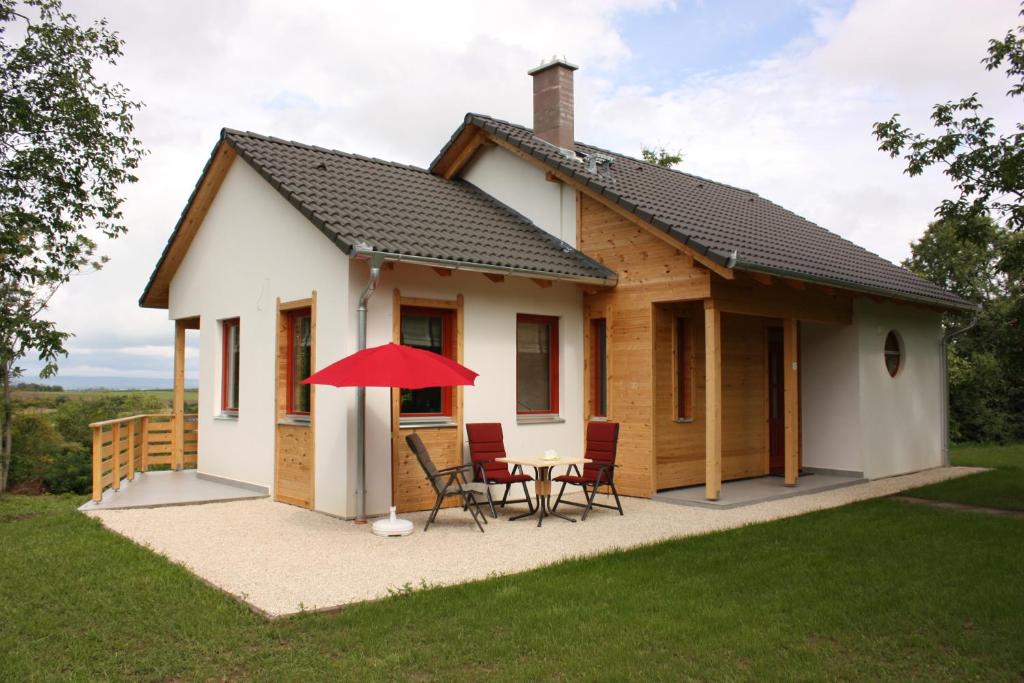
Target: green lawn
<point>1002,488</point>
<point>875,590</point>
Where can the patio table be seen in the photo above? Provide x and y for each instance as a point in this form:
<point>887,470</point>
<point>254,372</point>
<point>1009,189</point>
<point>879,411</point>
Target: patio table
<point>542,482</point>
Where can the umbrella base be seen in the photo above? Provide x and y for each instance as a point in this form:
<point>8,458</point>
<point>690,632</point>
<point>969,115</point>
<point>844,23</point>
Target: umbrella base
<point>392,526</point>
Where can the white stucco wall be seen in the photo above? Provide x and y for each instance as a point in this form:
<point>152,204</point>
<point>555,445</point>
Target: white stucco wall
<point>901,417</point>
<point>252,248</point>
<point>490,349</point>
<point>522,186</point>
<point>856,417</point>
<point>829,397</point>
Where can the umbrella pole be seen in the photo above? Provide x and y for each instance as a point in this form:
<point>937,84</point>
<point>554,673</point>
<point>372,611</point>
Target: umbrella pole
<point>375,263</point>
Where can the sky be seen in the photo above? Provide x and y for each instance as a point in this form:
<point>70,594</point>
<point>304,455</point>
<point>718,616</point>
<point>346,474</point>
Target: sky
<point>778,98</point>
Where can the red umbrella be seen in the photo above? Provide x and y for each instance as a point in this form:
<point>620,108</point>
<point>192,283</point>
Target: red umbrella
<point>393,365</point>
<point>390,365</point>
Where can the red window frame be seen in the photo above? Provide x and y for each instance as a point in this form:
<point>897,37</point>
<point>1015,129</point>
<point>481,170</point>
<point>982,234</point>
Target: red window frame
<point>225,329</point>
<point>291,316</point>
<point>599,360</point>
<point>552,323</point>
<point>447,317</point>
<point>684,371</point>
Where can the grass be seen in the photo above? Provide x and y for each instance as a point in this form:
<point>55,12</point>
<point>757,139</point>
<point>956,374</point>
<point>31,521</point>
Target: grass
<point>875,590</point>
<point>1001,488</point>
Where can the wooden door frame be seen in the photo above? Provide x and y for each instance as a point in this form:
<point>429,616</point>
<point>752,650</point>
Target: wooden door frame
<point>280,388</point>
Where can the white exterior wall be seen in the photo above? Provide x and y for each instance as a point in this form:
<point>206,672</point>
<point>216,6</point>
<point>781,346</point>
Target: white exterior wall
<point>522,186</point>
<point>901,417</point>
<point>854,416</point>
<point>252,248</point>
<point>829,397</point>
<point>489,314</point>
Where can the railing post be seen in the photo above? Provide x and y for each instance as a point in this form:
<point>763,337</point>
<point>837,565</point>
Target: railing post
<point>97,463</point>
<point>115,455</point>
<point>144,443</point>
<point>131,449</point>
<point>178,422</point>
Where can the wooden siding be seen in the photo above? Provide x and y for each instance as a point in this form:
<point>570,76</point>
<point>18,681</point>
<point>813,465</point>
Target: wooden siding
<point>650,271</point>
<point>679,446</point>
<point>294,443</point>
<point>410,490</point>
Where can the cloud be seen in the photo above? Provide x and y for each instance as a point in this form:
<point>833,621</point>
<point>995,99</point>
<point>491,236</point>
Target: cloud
<point>393,80</point>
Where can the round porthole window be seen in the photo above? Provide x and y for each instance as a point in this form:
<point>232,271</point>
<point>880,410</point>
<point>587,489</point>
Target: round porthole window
<point>893,353</point>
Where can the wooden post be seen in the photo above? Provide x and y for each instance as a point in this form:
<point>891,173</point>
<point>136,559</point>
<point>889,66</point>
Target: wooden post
<point>115,455</point>
<point>144,443</point>
<point>178,409</point>
<point>791,399</point>
<point>131,449</point>
<point>97,463</point>
<point>713,400</point>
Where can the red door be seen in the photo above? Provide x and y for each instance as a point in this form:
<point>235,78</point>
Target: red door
<point>776,419</point>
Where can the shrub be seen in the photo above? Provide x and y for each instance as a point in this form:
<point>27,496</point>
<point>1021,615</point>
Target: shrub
<point>73,417</point>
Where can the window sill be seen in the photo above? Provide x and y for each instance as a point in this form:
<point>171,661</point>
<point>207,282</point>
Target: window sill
<point>598,418</point>
<point>414,422</point>
<point>539,419</point>
<point>684,420</point>
<point>294,420</point>
<point>226,417</point>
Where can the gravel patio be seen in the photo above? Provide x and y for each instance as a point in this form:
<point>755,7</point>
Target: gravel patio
<point>282,559</point>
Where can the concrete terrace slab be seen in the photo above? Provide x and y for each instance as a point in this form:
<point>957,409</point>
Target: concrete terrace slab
<point>757,490</point>
<point>182,487</point>
<point>281,559</point>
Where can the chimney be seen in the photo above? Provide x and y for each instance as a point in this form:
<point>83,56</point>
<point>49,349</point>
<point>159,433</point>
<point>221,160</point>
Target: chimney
<point>553,102</point>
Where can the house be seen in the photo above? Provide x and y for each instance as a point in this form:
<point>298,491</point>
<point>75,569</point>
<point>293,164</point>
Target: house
<point>730,337</point>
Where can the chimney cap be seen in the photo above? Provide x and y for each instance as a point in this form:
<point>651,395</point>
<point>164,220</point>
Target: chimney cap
<point>555,61</point>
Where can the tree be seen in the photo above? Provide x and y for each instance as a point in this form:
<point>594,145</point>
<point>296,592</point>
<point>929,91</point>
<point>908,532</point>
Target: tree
<point>986,365</point>
<point>985,166</point>
<point>660,156</point>
<point>67,146</point>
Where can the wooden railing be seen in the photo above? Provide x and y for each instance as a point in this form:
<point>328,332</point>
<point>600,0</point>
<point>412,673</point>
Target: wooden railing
<point>126,445</point>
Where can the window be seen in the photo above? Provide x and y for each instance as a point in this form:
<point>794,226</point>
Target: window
<point>429,329</point>
<point>599,358</point>
<point>300,324</point>
<point>683,370</point>
<point>536,364</point>
<point>893,353</point>
<point>229,366</point>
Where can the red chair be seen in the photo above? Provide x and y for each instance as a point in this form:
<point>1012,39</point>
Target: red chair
<point>602,443</point>
<point>486,442</point>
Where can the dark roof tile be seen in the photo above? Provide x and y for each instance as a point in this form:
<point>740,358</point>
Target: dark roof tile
<point>717,219</point>
<point>406,210</point>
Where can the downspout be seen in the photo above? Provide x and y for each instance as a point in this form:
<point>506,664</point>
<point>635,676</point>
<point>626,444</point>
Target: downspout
<point>371,286</point>
<point>946,338</point>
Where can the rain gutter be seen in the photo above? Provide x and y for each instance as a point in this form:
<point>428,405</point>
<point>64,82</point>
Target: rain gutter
<point>364,252</point>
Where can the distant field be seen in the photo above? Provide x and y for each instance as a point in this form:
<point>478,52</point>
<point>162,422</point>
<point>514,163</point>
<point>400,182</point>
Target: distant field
<point>48,400</point>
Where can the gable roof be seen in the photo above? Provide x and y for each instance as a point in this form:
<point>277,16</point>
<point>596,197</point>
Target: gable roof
<point>404,211</point>
<point>731,226</point>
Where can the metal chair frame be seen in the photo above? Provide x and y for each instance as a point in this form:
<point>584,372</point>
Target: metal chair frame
<point>449,482</point>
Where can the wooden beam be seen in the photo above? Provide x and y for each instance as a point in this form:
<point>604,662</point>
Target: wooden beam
<point>494,277</point>
<point>713,400</point>
<point>543,284</point>
<point>178,403</point>
<point>827,290</point>
<point>794,284</point>
<point>443,272</point>
<point>791,398</point>
<point>464,154</point>
<point>763,278</point>
<point>708,263</point>
<point>551,177</point>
